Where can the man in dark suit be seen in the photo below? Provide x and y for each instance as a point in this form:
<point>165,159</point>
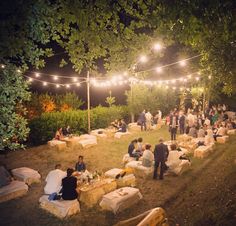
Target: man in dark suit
<point>160,155</point>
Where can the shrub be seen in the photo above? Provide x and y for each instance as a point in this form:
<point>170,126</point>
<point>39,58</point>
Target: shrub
<point>43,128</point>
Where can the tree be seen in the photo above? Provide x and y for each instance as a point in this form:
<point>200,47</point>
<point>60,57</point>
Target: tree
<point>150,98</point>
<point>110,100</point>
<point>68,101</point>
<point>13,91</point>
<point>25,28</point>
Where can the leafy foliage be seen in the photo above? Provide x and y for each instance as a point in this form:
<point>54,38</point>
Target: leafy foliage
<point>13,91</point>
<point>44,127</point>
<point>141,97</point>
<point>110,100</point>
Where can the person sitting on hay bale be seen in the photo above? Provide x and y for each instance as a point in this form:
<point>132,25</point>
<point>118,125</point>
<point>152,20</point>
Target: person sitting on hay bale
<point>148,156</point>
<point>132,150</point>
<point>122,127</point>
<point>54,179</point>
<point>69,185</point>
<point>80,165</point>
<point>59,134</point>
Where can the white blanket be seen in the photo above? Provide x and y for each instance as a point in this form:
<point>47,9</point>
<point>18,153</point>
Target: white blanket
<point>120,199</point>
<point>14,186</point>
<point>53,143</point>
<point>26,174</point>
<point>120,134</point>
<point>60,208</point>
<point>127,158</point>
<point>88,142</point>
<point>112,173</point>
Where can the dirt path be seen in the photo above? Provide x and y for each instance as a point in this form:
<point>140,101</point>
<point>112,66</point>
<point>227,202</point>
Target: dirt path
<point>178,195</point>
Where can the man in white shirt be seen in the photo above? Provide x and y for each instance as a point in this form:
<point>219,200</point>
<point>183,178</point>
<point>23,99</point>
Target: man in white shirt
<point>54,180</point>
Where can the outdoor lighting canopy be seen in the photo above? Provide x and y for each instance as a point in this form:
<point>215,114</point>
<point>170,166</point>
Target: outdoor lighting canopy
<point>157,46</point>
<point>182,63</point>
<point>143,59</point>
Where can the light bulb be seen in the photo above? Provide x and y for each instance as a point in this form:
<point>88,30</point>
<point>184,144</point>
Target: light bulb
<point>143,59</point>
<point>157,46</point>
<point>55,77</point>
<point>182,63</point>
<point>45,83</point>
<point>37,75</point>
<point>159,69</point>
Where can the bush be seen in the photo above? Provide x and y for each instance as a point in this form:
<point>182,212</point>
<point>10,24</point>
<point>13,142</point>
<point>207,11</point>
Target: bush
<point>43,128</point>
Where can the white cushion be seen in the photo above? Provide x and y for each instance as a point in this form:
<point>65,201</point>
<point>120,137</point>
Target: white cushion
<point>14,190</point>
<point>120,199</point>
<point>120,134</point>
<point>27,175</point>
<point>112,173</point>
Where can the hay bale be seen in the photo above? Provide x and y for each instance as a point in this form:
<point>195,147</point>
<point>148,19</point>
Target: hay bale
<point>90,194</point>
<point>14,190</point>
<point>27,175</point>
<point>127,158</point>
<point>60,208</point>
<point>120,134</point>
<point>140,170</point>
<point>126,181</point>
<point>231,131</point>
<point>59,145</point>
<point>112,173</point>
<point>222,140</point>
<point>87,143</point>
<point>202,151</point>
<point>120,199</point>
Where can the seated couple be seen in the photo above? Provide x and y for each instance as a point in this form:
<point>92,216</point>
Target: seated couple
<point>62,132</point>
<point>136,148</point>
<point>61,184</point>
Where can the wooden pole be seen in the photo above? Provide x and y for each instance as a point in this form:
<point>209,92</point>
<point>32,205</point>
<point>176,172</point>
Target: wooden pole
<point>88,101</point>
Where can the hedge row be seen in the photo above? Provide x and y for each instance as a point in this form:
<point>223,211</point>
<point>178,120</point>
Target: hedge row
<point>43,128</point>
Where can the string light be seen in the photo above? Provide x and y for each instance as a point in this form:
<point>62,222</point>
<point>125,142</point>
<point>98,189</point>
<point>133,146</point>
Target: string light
<point>159,69</point>
<point>37,75</point>
<point>143,59</point>
<point>55,77</point>
<point>3,66</point>
<point>57,85</point>
<point>67,86</point>
<point>209,76</point>
<point>77,84</point>
<point>30,79</point>
<point>45,83</point>
<point>75,79</point>
<point>157,46</point>
<point>18,70</point>
<point>182,63</point>
<point>197,78</point>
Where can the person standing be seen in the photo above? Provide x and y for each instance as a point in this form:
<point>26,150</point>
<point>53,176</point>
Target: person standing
<point>142,120</point>
<point>160,156</point>
<point>182,123</point>
<point>173,125</point>
<point>148,117</point>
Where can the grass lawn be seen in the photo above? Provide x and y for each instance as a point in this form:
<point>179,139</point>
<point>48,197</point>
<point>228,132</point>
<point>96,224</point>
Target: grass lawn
<point>171,193</point>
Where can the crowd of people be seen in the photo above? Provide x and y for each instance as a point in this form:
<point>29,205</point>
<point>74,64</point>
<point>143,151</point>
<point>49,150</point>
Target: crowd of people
<point>146,120</point>
<point>213,121</point>
<point>61,184</point>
